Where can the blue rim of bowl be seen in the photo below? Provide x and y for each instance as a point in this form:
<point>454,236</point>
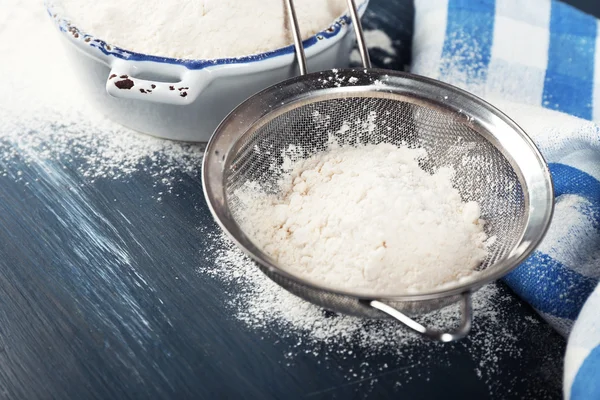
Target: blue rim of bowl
<point>65,26</point>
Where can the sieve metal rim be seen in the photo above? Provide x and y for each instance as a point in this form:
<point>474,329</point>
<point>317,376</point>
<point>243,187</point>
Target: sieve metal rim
<point>481,116</point>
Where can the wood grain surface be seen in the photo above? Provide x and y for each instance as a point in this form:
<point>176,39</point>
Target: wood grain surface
<point>100,297</point>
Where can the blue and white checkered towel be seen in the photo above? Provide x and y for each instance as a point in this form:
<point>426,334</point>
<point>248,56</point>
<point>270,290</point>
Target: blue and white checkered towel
<point>530,58</point>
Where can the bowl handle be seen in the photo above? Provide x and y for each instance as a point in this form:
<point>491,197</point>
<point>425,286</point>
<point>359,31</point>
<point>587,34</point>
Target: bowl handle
<point>458,333</point>
<point>122,84</point>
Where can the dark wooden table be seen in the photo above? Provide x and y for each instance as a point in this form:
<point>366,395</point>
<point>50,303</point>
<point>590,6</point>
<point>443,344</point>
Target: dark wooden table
<point>78,322</point>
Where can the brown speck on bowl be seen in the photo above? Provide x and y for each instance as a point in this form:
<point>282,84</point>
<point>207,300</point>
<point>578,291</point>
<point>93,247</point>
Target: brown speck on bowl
<point>124,84</point>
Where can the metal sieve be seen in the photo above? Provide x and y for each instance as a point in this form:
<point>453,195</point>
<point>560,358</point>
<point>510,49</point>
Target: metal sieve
<point>496,165</point>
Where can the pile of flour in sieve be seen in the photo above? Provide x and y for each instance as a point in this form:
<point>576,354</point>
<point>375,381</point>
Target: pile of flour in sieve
<point>200,29</point>
<point>367,219</point>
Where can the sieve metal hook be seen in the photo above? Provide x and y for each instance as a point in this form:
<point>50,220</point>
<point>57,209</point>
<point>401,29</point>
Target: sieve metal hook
<point>301,56</point>
<point>458,333</point>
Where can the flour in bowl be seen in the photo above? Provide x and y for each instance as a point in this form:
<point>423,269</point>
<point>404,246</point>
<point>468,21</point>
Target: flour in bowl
<point>367,219</point>
<point>199,29</point>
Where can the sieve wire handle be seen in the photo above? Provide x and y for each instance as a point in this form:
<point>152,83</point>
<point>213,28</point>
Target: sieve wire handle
<point>458,333</point>
<point>297,37</point>
<point>301,56</point>
<point>360,37</point>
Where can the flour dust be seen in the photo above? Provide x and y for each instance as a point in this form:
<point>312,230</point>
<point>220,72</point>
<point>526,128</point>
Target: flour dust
<point>264,307</point>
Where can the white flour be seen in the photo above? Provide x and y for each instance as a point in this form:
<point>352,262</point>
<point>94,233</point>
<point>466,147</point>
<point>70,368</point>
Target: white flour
<point>367,219</point>
<point>199,29</point>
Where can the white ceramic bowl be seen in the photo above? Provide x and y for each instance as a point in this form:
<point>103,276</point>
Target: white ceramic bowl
<point>185,99</point>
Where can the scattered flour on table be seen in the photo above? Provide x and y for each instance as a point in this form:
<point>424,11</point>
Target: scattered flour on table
<point>367,219</point>
<point>45,118</point>
<point>259,302</point>
<point>263,306</point>
<point>199,29</point>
